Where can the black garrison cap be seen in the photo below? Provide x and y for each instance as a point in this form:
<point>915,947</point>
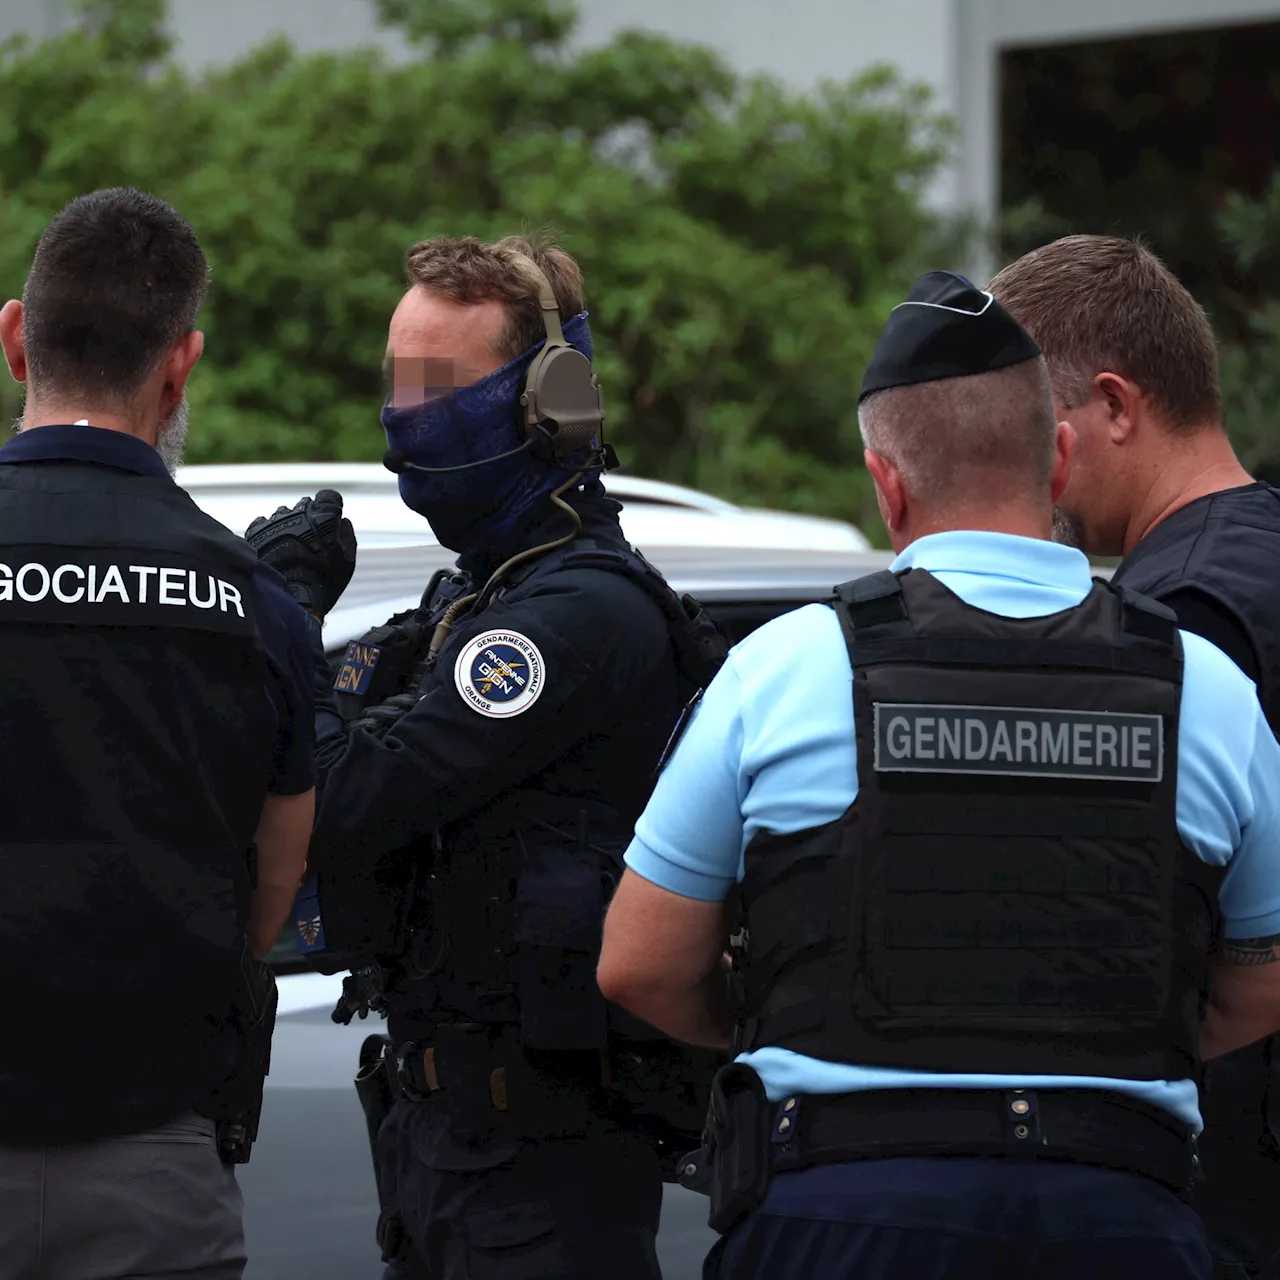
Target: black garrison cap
<point>947,328</point>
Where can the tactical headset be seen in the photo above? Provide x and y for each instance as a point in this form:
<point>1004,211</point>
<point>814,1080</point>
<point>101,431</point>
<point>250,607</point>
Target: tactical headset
<point>562,401</point>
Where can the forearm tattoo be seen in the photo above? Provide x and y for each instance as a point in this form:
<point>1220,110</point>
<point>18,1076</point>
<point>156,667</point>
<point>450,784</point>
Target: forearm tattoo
<point>1251,950</point>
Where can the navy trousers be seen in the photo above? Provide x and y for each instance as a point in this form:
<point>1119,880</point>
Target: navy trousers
<point>962,1219</point>
<point>1240,1197</point>
<point>581,1207</point>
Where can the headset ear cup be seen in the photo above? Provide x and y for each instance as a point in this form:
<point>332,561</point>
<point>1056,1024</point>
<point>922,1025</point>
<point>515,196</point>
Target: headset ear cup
<point>563,396</point>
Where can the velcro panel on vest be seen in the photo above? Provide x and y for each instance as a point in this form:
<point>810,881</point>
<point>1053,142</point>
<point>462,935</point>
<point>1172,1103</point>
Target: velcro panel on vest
<point>379,664</point>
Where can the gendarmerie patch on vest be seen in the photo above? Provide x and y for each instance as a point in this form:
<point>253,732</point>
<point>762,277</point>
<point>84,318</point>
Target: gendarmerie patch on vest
<point>1038,742</point>
<point>358,665</point>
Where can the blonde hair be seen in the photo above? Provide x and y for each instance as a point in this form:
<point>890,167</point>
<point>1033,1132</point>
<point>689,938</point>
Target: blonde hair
<point>468,270</point>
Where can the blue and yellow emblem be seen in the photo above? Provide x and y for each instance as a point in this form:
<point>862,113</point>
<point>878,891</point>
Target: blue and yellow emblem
<point>500,673</point>
<point>358,665</point>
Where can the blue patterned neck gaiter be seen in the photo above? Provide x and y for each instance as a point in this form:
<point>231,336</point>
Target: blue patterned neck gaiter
<point>483,510</point>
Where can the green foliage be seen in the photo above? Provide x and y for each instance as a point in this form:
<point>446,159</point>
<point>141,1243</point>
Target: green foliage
<point>1251,363</point>
<point>741,244</point>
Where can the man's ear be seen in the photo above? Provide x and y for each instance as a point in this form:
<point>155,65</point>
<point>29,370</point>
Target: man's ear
<point>891,494</point>
<point>15,353</point>
<point>1063,458</point>
<point>178,363</point>
<point>1122,398</point>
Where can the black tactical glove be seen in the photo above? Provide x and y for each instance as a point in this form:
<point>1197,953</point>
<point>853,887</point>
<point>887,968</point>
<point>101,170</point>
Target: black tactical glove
<point>311,546</point>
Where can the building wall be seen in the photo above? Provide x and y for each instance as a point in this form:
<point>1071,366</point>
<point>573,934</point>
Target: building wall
<point>37,18</point>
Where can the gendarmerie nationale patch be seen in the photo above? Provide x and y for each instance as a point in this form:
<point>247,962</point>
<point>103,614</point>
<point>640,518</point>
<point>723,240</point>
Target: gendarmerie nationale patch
<point>358,665</point>
<point>1040,742</point>
<point>500,673</point>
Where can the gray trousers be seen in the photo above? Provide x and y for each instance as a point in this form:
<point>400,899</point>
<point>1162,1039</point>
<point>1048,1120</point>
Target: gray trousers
<point>159,1204</point>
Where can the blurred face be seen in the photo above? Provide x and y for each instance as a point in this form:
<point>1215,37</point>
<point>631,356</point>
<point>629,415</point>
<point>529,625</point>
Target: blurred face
<point>435,345</point>
<point>1092,513</point>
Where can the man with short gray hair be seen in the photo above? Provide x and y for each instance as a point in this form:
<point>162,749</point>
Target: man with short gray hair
<point>964,829</point>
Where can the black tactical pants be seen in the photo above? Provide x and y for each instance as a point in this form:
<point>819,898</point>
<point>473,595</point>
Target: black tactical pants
<point>577,1207</point>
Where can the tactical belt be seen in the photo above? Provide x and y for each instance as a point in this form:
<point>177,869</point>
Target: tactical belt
<point>1080,1126</point>
<point>488,1081</point>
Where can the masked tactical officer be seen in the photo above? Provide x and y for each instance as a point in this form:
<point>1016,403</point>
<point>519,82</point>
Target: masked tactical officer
<point>975,815</point>
<point>1135,373</point>
<point>156,776</point>
<point>483,760</point>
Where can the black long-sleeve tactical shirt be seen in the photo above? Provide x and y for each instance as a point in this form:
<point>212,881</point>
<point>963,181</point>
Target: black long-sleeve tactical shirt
<point>607,701</point>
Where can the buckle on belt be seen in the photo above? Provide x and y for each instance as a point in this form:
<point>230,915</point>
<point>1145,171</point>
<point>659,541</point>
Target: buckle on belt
<point>418,1076</point>
<point>416,1067</point>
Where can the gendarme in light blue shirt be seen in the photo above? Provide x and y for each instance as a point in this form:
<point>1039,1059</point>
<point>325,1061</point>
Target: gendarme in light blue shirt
<point>772,748</point>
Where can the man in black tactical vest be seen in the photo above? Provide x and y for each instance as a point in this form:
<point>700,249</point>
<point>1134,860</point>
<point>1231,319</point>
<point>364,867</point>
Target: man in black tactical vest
<point>1135,372</point>
<point>482,760</point>
<point>156,776</point>
<point>966,827</point>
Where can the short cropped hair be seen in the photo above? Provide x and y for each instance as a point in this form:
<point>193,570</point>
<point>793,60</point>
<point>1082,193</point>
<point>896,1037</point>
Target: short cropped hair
<point>117,278</point>
<point>467,270</point>
<point>957,440</point>
<point>1098,303</point>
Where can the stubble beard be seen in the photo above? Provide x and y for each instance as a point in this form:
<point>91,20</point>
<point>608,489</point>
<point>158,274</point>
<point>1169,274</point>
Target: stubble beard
<point>1067,530</point>
<point>171,438</point>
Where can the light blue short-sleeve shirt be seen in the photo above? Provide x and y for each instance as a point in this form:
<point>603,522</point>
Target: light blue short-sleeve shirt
<point>772,749</point>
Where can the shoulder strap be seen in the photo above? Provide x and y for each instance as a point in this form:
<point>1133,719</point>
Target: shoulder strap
<point>700,647</point>
<point>878,629</point>
<point>872,608</point>
<point>1146,617</point>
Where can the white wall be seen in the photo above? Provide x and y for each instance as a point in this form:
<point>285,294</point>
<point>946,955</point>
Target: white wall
<point>37,18</point>
<point>211,33</point>
<point>801,41</point>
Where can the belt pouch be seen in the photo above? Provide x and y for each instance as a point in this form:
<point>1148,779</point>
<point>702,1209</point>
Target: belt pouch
<point>740,1124</point>
<point>465,1061</point>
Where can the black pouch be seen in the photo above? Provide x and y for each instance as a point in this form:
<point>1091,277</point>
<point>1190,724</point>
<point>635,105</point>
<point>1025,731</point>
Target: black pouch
<point>739,1131</point>
<point>373,1088</point>
<point>466,1060</point>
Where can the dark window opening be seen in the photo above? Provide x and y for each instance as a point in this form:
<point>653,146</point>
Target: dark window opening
<point>1143,135</point>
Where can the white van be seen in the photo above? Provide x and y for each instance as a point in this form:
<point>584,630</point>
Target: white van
<point>746,564</point>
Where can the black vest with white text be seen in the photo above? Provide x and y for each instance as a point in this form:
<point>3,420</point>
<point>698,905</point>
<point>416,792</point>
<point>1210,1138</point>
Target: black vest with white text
<point>1009,892</point>
<point>137,751</point>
